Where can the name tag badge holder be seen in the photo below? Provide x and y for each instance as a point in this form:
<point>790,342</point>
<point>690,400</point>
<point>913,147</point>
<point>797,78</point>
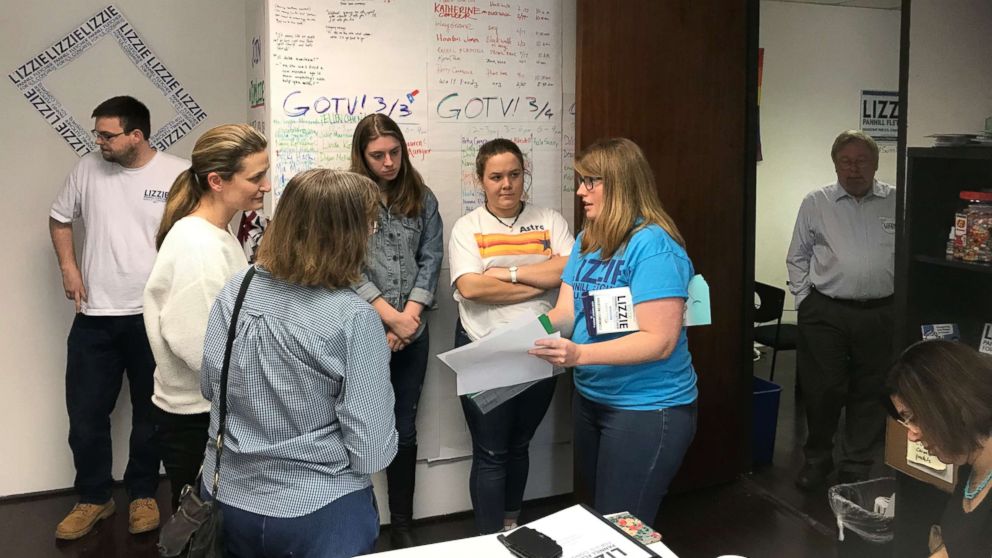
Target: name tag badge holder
<point>609,311</point>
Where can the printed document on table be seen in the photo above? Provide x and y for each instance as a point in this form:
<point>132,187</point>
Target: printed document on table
<point>500,359</point>
<point>584,534</point>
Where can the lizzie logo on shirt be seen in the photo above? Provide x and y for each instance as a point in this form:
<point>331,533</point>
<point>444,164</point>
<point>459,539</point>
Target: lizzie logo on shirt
<point>156,196</point>
<point>598,274</point>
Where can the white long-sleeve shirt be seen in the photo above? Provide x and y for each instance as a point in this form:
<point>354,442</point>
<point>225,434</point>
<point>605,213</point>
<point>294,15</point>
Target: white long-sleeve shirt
<point>195,261</point>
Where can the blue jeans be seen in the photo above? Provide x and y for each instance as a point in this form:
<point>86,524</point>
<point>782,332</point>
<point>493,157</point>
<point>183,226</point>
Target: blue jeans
<point>501,449</point>
<point>626,458</point>
<point>407,370</point>
<point>346,527</point>
<point>101,349</point>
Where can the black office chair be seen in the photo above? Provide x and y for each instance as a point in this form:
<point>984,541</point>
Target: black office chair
<point>778,336</point>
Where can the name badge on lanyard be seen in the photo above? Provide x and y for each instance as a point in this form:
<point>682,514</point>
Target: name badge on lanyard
<point>609,311</point>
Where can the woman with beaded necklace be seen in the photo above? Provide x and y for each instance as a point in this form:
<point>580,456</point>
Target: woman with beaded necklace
<point>506,261</point>
<point>941,391</point>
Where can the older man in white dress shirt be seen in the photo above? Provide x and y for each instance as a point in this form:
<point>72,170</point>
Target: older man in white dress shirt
<point>840,267</point>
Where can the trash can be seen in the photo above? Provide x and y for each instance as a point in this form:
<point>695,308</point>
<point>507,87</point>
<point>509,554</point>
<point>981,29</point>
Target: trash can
<point>866,509</point>
<point>764,419</point>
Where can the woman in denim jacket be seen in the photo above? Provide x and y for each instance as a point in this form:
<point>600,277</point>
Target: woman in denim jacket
<point>399,280</point>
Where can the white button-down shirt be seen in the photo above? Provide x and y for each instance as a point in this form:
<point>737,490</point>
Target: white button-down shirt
<point>843,247</point>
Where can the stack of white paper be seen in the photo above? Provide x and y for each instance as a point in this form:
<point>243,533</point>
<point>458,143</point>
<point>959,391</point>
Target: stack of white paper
<point>500,358</point>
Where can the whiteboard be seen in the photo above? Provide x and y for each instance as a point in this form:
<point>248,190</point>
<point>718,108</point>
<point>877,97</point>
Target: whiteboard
<point>453,74</point>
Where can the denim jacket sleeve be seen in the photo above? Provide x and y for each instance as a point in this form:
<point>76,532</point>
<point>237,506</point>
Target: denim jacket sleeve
<point>366,289</point>
<point>429,253</point>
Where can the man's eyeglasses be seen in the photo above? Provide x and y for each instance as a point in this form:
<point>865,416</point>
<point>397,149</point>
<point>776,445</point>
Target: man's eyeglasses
<point>105,136</point>
<point>589,181</point>
<point>861,164</point>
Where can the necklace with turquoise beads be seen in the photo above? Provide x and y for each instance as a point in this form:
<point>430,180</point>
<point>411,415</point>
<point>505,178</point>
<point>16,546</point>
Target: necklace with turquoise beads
<point>970,494</point>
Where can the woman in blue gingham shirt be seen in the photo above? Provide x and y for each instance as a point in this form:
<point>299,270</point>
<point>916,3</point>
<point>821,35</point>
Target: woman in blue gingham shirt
<point>310,406</point>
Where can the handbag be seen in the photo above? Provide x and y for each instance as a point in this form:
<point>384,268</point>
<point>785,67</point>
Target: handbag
<point>196,529</point>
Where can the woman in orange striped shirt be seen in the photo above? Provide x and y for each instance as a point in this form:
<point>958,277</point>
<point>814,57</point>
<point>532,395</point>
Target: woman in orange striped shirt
<point>506,259</point>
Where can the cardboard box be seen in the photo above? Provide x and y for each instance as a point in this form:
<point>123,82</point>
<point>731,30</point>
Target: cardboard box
<point>895,457</point>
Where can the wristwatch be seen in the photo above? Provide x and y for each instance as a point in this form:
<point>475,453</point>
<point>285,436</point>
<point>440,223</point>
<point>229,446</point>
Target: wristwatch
<point>513,274</point>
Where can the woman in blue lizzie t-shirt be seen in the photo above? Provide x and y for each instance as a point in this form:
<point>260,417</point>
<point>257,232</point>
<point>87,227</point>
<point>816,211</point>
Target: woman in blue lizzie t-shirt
<point>634,412</point>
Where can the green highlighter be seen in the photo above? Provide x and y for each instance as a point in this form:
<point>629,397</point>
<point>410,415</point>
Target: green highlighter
<point>546,322</point>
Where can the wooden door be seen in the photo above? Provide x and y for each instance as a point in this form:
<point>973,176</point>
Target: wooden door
<point>679,78</point>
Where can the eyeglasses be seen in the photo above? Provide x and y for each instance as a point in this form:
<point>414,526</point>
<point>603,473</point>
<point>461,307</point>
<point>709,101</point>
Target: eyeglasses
<point>856,164</point>
<point>589,181</point>
<point>105,136</point>
<point>906,421</point>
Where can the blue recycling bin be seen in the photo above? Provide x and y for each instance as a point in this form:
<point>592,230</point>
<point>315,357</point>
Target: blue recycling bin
<point>764,419</point>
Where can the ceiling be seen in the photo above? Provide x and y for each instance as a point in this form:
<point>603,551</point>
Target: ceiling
<point>877,4</point>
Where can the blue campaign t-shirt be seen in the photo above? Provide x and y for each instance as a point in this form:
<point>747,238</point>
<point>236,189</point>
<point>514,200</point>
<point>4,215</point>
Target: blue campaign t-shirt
<point>654,266</point>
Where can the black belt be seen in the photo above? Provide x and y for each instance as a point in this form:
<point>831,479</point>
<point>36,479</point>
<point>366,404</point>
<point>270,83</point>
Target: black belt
<point>865,304</point>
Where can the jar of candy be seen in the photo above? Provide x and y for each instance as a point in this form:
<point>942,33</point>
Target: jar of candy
<point>973,228</point>
<point>949,252</point>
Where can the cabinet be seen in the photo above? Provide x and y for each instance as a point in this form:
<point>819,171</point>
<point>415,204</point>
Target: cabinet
<point>930,289</point>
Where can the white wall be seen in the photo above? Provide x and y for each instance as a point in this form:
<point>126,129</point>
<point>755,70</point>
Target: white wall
<point>817,60</point>
<point>442,478</point>
<point>203,44</point>
<point>950,82</point>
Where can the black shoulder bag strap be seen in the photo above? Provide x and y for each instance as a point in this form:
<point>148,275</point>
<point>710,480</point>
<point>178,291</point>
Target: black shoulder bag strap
<point>231,332</point>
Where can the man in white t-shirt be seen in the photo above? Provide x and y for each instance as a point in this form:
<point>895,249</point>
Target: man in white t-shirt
<point>118,195</point>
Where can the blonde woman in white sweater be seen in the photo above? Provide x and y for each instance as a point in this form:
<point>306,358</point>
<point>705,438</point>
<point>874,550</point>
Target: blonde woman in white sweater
<point>197,253</point>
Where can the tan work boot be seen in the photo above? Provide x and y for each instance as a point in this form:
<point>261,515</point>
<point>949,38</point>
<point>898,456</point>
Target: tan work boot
<point>81,520</point>
<point>142,516</point>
